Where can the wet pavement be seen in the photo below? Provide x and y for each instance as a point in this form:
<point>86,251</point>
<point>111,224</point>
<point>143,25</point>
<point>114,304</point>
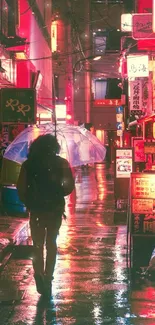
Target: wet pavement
<point>92,282</point>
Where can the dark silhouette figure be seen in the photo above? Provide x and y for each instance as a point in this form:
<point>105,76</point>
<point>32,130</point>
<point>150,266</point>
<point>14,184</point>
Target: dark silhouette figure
<point>45,178</point>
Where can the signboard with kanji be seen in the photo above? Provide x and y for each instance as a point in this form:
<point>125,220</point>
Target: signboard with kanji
<point>18,105</point>
<point>149,147</point>
<point>143,223</point>
<point>123,168</point>
<point>123,162</point>
<point>136,96</point>
<point>137,66</point>
<point>138,145</point>
<point>107,102</point>
<point>142,26</point>
<point>143,186</point>
<point>143,203</point>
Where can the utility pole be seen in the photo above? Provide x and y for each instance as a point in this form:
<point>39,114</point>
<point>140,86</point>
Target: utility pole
<point>54,105</point>
<point>87,63</point>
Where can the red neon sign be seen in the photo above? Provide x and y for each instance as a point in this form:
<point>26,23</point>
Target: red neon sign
<point>107,102</point>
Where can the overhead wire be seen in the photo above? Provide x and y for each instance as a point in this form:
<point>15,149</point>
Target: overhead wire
<point>30,7</point>
<point>77,51</point>
<point>89,22</point>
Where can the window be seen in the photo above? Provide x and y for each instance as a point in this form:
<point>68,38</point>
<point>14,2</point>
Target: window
<point>99,41</point>
<point>4,18</point>
<point>113,89</point>
<point>100,88</point>
<point>13,17</point>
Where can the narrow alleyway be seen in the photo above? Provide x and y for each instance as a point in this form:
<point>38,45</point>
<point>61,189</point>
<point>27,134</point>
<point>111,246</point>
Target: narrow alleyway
<point>92,282</point>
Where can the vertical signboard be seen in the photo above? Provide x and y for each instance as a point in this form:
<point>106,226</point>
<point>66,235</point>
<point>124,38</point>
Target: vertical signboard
<point>119,120</point>
<point>54,36</point>
<point>136,96</point>
<point>126,22</point>
<point>4,139</point>
<point>146,96</point>
<point>123,169</point>
<point>142,203</point>
<point>123,163</point>
<point>138,145</point>
<point>141,220</point>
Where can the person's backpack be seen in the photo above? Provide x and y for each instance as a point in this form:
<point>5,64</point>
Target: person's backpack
<point>43,189</point>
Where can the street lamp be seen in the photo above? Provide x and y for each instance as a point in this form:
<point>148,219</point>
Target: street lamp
<point>86,59</point>
<point>96,58</point>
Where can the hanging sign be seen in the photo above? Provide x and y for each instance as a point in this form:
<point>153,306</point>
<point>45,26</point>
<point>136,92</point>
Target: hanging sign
<point>119,120</point>
<point>142,26</point>
<point>107,102</point>
<point>136,96</point>
<point>138,145</point>
<point>54,36</point>
<point>18,105</point>
<point>126,22</point>
<point>137,66</point>
<point>146,97</point>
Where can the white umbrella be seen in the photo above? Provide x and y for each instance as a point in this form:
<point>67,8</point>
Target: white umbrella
<point>78,145</point>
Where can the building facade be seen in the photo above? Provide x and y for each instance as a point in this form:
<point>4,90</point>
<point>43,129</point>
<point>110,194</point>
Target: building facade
<point>25,53</point>
<point>92,31</point>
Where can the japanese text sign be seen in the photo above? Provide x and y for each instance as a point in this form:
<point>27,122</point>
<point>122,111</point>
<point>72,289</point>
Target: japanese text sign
<point>18,105</point>
<point>107,102</point>
<point>137,66</point>
<point>143,186</point>
<point>138,145</point>
<point>135,95</point>
<point>142,26</point>
<point>149,147</point>
<point>124,162</point>
<point>143,202</point>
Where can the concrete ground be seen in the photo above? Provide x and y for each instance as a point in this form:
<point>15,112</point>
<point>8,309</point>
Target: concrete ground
<point>92,281</point>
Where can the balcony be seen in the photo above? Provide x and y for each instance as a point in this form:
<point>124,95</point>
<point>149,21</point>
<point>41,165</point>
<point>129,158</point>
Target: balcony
<point>12,41</point>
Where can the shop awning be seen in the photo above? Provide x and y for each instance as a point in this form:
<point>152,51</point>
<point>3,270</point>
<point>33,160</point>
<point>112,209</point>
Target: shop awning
<point>4,83</point>
<point>142,120</point>
<point>147,118</point>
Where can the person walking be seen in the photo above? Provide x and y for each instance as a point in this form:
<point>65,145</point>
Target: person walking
<point>45,179</point>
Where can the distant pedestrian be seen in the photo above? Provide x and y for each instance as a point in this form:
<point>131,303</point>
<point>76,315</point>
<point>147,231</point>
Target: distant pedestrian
<point>45,178</point>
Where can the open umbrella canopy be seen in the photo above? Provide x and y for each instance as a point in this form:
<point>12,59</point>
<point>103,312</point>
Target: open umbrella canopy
<point>78,145</point>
